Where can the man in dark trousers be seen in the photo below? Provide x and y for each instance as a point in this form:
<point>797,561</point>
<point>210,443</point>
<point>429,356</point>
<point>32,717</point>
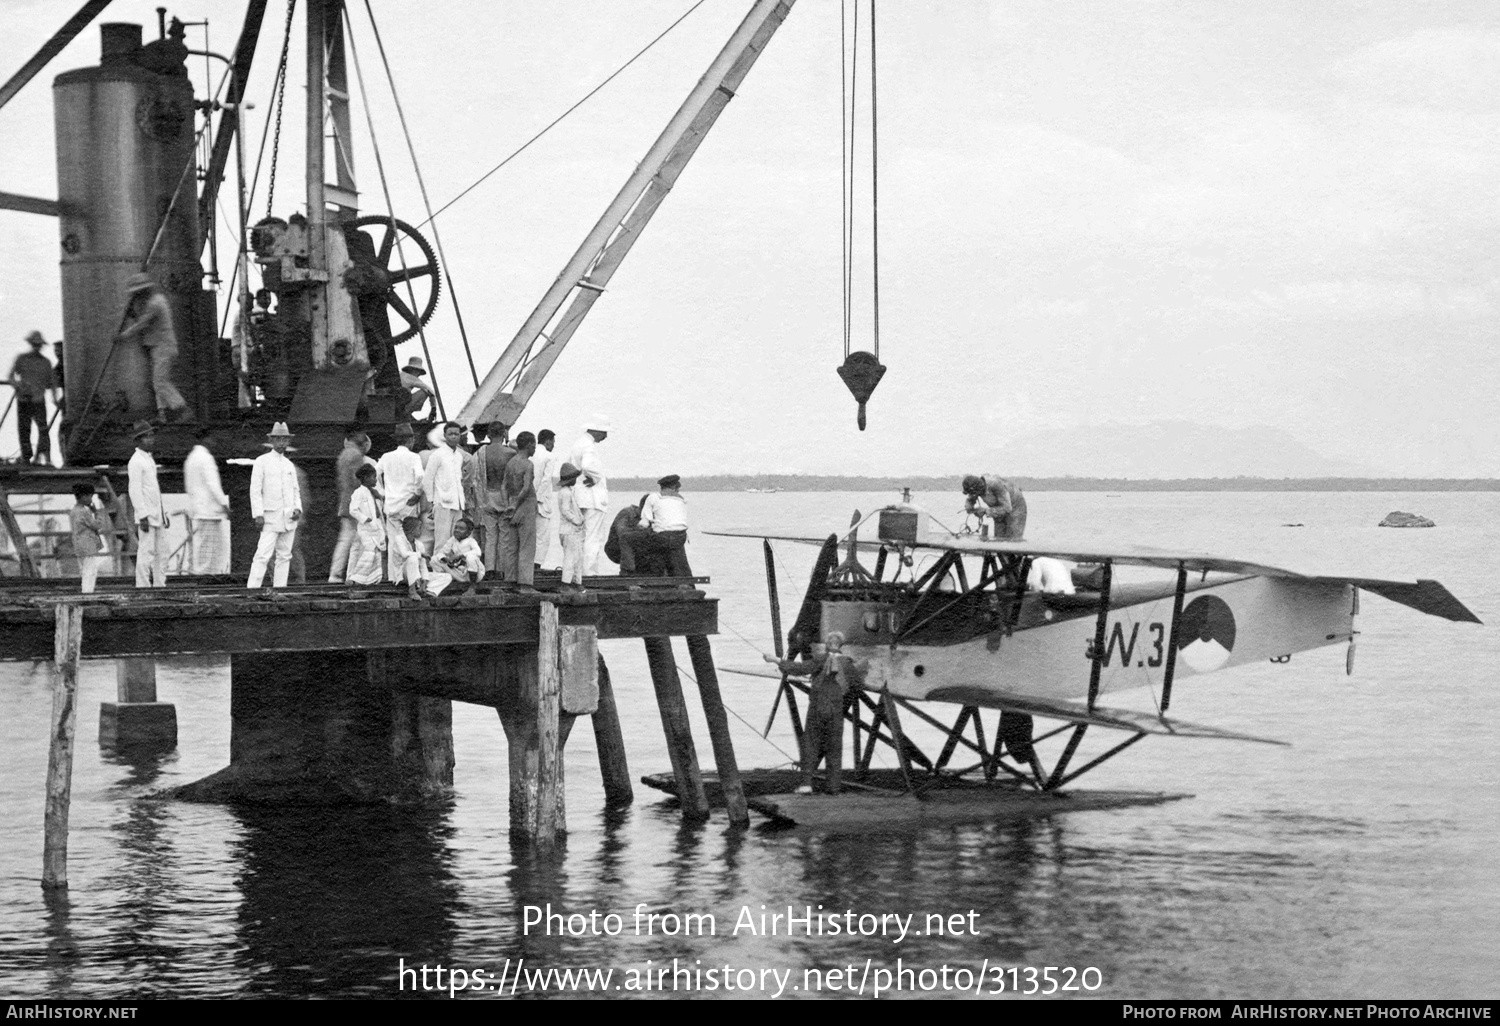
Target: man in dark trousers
<point>834,675</point>
<point>32,378</point>
<point>516,551</point>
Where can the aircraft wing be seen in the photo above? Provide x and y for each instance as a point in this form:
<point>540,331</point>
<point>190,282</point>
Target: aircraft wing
<point>1425,596</point>
<point>801,539</point>
<point>1072,712</point>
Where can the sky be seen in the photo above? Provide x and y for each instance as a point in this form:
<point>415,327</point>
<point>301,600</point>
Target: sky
<point>1090,215</point>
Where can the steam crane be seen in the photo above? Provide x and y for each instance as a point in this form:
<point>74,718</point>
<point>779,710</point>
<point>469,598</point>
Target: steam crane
<point>340,289</point>
<point>316,348</point>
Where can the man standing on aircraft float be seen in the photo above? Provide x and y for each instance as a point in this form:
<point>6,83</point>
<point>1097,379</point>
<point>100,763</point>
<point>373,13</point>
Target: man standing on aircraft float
<point>592,492</point>
<point>1003,502</point>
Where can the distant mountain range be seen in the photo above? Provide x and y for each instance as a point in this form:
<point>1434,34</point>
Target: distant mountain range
<point>1163,449</point>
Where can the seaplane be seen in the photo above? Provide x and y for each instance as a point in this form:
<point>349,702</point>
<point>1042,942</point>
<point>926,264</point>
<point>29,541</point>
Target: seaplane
<point>1043,631</point>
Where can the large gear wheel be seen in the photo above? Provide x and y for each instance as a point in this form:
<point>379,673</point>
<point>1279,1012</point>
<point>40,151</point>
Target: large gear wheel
<point>421,272</point>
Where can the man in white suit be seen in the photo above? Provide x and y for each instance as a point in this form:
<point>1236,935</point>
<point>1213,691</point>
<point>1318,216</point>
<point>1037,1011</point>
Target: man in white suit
<point>276,505</point>
<point>592,491</point>
<point>150,514</point>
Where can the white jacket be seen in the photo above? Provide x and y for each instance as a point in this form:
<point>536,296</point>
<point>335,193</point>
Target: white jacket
<point>273,491</point>
<point>200,476</point>
<point>145,493</point>
<point>585,457</point>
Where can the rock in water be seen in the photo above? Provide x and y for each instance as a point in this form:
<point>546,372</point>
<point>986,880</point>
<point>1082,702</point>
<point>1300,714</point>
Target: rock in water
<point>1400,519</point>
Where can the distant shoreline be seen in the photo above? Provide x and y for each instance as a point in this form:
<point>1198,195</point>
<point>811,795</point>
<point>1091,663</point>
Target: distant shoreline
<point>949,483</point>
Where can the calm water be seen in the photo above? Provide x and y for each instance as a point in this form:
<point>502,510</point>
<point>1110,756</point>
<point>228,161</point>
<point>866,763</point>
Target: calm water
<point>1357,863</point>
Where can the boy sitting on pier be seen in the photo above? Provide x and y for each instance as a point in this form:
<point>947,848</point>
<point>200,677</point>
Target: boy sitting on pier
<point>457,559</point>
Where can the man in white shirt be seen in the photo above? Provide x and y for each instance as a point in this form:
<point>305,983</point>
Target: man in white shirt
<point>544,469</point>
<point>401,483</point>
<point>276,505</point>
<point>592,491</point>
<point>665,516</point>
<point>209,507</point>
<point>150,513</point>
<point>444,484</point>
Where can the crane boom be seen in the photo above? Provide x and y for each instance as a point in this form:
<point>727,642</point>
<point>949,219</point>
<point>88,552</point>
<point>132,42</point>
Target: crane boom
<point>509,385</point>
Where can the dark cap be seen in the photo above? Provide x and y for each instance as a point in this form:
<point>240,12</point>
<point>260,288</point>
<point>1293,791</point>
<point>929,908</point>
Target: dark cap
<point>670,481</point>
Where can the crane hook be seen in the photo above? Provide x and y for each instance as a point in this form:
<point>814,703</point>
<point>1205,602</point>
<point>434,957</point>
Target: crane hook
<point>861,372</point>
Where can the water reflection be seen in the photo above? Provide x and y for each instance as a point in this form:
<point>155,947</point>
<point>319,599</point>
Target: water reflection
<point>331,897</point>
<point>62,952</point>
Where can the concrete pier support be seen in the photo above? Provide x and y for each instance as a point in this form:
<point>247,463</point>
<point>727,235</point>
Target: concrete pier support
<point>137,719</point>
<point>331,728</point>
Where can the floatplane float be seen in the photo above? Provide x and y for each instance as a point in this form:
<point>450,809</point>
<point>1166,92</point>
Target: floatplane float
<point>983,624</point>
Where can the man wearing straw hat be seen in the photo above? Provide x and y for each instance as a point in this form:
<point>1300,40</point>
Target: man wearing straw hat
<point>150,514</point>
<point>416,389</point>
<point>150,320</point>
<point>276,505</point>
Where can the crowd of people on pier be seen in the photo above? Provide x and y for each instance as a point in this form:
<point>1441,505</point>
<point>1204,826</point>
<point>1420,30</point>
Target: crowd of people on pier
<point>462,508</point>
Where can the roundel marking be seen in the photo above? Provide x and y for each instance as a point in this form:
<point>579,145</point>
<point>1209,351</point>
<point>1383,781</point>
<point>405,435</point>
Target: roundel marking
<point>1206,632</point>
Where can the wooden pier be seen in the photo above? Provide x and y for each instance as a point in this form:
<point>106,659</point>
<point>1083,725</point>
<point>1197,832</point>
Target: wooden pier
<point>342,694</point>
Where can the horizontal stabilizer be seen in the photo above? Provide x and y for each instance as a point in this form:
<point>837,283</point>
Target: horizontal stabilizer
<point>1428,597</point>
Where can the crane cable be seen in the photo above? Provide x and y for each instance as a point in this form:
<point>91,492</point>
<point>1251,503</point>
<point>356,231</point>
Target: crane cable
<point>385,189</point>
<point>437,237</point>
<point>861,370</point>
<point>847,84</point>
<point>557,120</point>
<point>278,87</point>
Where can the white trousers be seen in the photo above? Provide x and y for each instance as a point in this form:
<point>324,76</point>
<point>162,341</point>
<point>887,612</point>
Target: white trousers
<point>338,567</point>
<point>546,540</point>
<point>279,542</point>
<point>572,556</point>
<point>88,570</point>
<point>151,558</point>
<point>595,530</point>
<point>401,557</point>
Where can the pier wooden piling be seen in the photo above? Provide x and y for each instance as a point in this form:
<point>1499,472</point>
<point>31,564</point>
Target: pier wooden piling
<point>678,729</point>
<point>68,645</point>
<point>342,695</point>
<point>718,729</point>
<point>609,742</point>
<point>549,792</point>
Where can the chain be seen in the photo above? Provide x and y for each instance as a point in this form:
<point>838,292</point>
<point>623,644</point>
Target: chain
<point>286,44</point>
